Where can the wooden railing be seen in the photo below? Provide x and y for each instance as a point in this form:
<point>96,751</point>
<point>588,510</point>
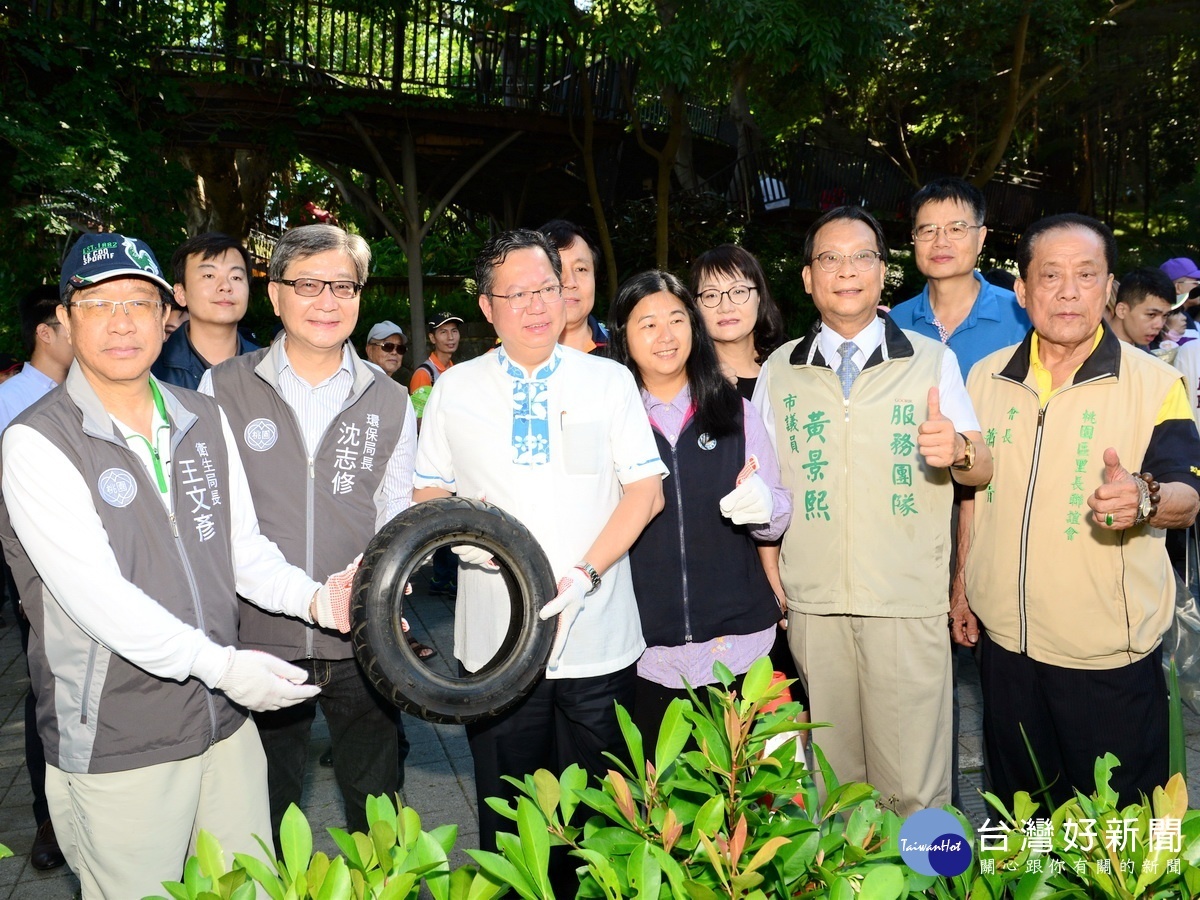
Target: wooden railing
<point>453,49</point>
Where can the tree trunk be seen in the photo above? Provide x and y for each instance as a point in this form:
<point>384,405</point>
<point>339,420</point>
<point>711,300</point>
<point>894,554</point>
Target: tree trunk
<point>230,191</point>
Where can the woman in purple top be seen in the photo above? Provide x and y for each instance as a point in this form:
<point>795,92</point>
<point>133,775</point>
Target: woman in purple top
<point>702,593</point>
<point>744,322</point>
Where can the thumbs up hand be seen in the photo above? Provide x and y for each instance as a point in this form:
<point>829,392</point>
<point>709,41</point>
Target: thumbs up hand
<point>1115,503</point>
<point>937,441</point>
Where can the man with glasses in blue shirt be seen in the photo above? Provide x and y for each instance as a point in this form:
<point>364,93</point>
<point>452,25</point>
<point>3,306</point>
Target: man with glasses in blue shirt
<point>958,306</point>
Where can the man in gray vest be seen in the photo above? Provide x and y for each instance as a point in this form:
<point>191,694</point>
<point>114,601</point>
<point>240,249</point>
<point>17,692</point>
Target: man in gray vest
<point>328,444</point>
<point>128,524</point>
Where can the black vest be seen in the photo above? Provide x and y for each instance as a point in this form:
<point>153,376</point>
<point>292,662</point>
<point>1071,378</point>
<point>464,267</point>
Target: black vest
<point>696,575</point>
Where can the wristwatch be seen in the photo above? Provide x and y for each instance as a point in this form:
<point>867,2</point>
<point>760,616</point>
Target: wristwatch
<point>969,460</point>
<point>590,571</point>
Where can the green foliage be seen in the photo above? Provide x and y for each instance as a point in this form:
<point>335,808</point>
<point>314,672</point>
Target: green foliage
<point>391,862</point>
<point>721,807</point>
<point>1091,847</point>
<point>712,812</point>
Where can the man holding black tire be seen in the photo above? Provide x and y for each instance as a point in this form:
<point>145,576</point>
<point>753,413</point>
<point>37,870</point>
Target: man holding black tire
<point>307,411</point>
<point>559,440</point>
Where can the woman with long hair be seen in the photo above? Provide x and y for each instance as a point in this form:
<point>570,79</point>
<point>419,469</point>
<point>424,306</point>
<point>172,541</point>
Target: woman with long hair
<point>739,314</point>
<point>746,326</point>
<point>702,593</point>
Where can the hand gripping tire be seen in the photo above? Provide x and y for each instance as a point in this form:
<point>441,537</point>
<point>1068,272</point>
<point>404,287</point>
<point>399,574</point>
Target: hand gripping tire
<point>378,602</point>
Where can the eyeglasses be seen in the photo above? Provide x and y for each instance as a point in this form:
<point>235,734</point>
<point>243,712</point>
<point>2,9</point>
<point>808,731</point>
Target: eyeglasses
<point>139,310</point>
<point>955,231</point>
<point>738,294</point>
<point>521,299</point>
<point>863,260</point>
<point>392,347</point>
<point>312,287</point>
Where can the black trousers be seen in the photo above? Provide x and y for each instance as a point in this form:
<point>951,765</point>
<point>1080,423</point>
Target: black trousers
<point>1071,717</point>
<point>35,754</point>
<point>561,721</point>
<point>363,727</point>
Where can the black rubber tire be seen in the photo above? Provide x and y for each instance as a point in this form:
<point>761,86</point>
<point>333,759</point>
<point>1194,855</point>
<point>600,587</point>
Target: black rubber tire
<point>378,602</point>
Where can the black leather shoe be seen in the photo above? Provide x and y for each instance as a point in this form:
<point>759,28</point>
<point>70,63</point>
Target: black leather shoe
<point>327,758</point>
<point>45,853</point>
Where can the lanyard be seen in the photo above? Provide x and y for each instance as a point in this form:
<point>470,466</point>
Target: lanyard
<point>161,408</point>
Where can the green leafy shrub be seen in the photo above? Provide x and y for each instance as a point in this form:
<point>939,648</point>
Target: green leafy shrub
<point>726,808</point>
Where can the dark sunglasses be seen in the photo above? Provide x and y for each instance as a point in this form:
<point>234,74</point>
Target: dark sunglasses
<point>391,347</point>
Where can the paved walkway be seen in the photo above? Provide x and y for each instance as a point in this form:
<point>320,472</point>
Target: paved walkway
<point>439,783</point>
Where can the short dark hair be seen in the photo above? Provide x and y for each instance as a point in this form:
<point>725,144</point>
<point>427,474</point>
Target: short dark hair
<point>563,234</point>
<point>1060,222</point>
<point>37,307</point>
<point>954,189</point>
<point>716,401</point>
<point>733,261</point>
<point>209,245</point>
<point>850,213</point>
<point>496,250</point>
<point>1138,285</point>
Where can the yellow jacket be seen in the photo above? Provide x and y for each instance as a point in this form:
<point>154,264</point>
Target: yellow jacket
<point>1043,579</point>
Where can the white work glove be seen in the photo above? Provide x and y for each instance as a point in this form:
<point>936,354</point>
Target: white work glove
<point>470,555</point>
<point>262,682</point>
<point>567,605</point>
<point>750,503</point>
<point>331,606</point>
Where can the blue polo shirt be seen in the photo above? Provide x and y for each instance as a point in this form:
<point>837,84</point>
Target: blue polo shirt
<point>996,320</point>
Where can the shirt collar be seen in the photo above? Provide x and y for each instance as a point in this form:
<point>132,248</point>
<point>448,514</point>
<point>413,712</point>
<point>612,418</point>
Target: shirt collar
<point>866,340</point>
<point>681,402</point>
<point>986,305</point>
<point>1041,375</point>
<point>282,363</point>
<point>542,371</point>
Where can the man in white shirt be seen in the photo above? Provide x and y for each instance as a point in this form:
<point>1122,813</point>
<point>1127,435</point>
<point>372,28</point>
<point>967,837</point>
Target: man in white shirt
<point>130,529</point>
<point>560,440</point>
<point>867,419</point>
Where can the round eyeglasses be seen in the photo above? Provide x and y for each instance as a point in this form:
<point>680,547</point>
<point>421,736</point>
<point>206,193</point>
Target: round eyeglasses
<point>738,294</point>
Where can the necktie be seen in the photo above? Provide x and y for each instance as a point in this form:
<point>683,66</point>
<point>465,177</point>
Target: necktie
<point>847,371</point>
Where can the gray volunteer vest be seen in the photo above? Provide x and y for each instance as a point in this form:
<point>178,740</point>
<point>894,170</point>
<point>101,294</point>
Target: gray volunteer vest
<point>321,511</point>
<point>96,712</point>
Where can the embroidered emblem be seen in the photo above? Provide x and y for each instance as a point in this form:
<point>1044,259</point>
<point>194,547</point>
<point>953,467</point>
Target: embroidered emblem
<point>117,487</point>
<point>705,442</point>
<point>261,434</point>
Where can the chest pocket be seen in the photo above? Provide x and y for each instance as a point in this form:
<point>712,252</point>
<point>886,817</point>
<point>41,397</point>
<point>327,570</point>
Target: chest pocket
<point>583,447</point>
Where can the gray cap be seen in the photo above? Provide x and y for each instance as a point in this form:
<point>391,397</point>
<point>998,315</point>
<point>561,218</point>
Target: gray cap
<point>384,330</point>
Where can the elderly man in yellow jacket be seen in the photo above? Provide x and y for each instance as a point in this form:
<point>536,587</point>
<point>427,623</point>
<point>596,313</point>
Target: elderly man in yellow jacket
<point>1068,583</point>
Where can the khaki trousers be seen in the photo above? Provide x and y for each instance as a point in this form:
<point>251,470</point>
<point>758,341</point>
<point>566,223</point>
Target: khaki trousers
<point>885,685</point>
<point>125,833</point>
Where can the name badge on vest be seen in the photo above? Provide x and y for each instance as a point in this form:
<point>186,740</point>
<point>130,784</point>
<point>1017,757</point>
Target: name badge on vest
<point>261,435</point>
<point>117,487</point>
<point>704,442</point>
